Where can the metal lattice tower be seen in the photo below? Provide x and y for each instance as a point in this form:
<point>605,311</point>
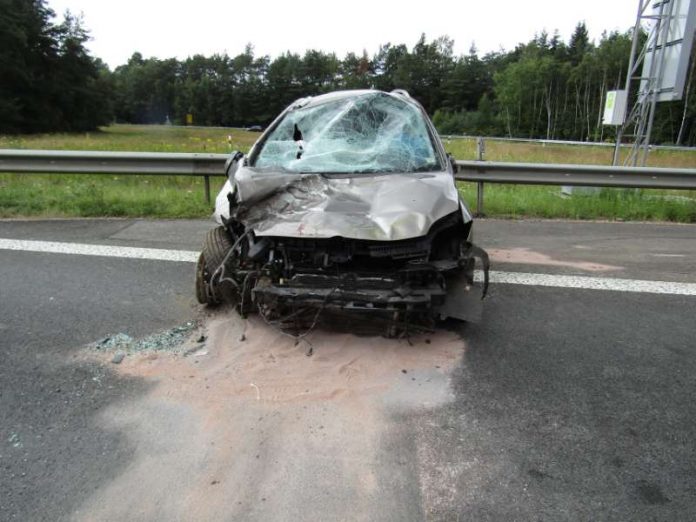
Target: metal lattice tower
<point>642,114</point>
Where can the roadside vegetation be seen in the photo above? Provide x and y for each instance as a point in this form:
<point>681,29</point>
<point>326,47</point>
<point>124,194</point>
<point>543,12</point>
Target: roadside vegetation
<point>553,86</point>
<point>179,196</point>
<point>545,88</point>
<point>516,201</point>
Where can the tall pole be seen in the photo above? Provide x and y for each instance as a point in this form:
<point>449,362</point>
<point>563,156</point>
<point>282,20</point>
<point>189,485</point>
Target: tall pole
<point>642,5</point>
<point>662,42</point>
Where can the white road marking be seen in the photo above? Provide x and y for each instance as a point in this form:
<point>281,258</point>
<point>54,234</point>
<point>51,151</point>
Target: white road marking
<point>591,283</point>
<point>513,278</point>
<point>54,247</point>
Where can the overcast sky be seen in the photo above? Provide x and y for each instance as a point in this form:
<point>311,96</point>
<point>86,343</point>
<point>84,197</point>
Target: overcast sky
<point>179,29</point>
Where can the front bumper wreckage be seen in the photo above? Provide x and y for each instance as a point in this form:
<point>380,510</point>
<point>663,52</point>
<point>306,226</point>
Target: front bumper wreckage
<point>402,285</point>
<point>419,289</point>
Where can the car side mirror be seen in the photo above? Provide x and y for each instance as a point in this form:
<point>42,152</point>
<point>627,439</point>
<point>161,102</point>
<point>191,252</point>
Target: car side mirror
<point>233,163</point>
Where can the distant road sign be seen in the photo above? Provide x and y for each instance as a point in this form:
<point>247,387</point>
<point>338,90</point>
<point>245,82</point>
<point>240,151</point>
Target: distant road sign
<point>614,108</point>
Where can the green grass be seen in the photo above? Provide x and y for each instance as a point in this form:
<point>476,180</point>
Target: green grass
<point>172,197</point>
<point>145,138</point>
<point>513,201</point>
<point>100,196</point>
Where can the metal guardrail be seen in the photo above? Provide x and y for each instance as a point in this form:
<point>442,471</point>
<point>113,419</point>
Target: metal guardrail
<point>482,172</point>
<point>544,142</point>
<point>123,163</point>
<point>576,175</point>
<point>98,162</point>
<point>206,165</point>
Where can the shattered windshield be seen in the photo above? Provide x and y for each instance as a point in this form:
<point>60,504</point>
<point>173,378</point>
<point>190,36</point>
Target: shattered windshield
<point>361,134</point>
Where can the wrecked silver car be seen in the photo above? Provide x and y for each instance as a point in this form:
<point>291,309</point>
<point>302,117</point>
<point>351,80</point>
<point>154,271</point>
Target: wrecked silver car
<point>346,203</point>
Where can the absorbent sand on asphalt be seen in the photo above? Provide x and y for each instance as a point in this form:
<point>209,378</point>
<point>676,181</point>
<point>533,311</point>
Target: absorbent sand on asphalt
<point>254,429</point>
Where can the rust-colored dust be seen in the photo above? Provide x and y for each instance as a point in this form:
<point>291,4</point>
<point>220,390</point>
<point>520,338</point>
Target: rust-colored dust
<point>270,366</point>
<point>524,256</point>
<point>220,430</point>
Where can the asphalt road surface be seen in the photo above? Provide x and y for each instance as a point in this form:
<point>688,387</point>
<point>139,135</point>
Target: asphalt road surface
<point>565,403</point>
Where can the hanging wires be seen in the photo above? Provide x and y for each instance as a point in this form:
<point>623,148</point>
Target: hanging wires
<point>220,270</point>
<point>277,324</point>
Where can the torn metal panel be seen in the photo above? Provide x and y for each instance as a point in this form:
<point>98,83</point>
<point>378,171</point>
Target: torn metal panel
<point>371,207</point>
<point>464,299</point>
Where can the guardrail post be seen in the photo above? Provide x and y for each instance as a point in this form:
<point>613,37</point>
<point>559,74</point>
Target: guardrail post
<point>480,151</point>
<point>479,199</point>
<point>206,180</point>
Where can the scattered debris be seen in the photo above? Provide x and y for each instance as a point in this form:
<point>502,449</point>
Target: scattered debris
<point>120,340</point>
<point>15,440</point>
<point>166,340</point>
<point>170,340</point>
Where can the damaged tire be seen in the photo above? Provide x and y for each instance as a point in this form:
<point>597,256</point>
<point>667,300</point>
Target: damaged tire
<point>202,279</point>
<point>215,248</point>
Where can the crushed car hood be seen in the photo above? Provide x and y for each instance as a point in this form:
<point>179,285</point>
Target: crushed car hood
<point>384,207</point>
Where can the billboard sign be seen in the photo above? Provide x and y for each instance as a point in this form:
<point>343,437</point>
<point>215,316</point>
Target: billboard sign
<point>677,43</point>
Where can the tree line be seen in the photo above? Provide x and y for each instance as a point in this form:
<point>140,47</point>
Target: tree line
<point>544,88</point>
<point>48,80</point>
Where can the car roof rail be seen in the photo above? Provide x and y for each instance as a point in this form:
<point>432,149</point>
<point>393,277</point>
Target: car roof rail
<point>401,92</point>
<point>298,104</point>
